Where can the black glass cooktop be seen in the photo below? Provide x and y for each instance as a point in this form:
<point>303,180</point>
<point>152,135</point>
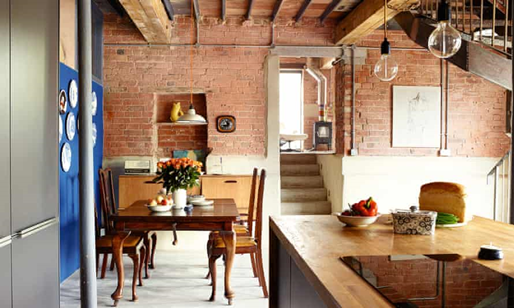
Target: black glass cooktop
<point>446,280</point>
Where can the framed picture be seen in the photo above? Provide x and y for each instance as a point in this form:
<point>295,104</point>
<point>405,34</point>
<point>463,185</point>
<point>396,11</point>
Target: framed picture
<point>416,116</point>
<point>226,124</point>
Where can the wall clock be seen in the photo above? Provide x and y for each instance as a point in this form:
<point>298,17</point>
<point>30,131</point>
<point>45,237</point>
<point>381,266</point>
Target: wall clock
<point>226,124</point>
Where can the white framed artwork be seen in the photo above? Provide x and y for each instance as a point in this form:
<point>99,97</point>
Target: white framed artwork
<point>416,117</point>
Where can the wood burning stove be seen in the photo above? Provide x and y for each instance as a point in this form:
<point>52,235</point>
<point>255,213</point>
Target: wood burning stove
<point>322,134</point>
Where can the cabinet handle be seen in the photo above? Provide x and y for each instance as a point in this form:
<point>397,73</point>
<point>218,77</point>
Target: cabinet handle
<point>230,182</point>
<point>5,241</point>
<point>37,228</point>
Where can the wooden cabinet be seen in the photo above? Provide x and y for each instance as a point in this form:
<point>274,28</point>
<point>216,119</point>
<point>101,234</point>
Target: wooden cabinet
<point>236,187</point>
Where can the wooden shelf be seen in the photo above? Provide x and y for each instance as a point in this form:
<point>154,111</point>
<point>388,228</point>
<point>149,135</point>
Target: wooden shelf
<point>180,124</point>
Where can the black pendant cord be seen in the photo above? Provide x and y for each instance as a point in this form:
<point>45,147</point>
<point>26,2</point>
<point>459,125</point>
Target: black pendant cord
<point>444,12</point>
<point>385,47</point>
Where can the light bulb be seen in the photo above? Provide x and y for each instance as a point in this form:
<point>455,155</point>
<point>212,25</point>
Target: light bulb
<point>444,41</point>
<point>386,68</point>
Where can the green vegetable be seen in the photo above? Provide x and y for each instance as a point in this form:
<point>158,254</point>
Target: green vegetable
<point>446,219</point>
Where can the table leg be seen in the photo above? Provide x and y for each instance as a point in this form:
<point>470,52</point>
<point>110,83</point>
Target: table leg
<point>229,237</point>
<point>117,253</point>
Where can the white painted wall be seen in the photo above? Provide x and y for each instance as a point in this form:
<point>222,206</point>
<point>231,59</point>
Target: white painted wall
<point>394,182</point>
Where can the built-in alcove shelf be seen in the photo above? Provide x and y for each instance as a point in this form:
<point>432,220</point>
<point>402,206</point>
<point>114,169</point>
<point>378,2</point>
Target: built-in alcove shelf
<point>164,104</point>
<point>179,124</point>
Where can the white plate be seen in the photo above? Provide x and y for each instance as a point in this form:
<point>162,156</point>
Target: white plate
<point>94,104</point>
<point>73,93</point>
<point>60,128</point>
<point>70,126</point>
<point>460,224</point>
<point>94,132</point>
<point>159,208</point>
<point>66,157</point>
<point>195,198</point>
<point>202,203</point>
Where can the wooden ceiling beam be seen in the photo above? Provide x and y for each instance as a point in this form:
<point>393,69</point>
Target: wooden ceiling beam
<point>150,18</point>
<point>302,10</point>
<point>249,11</point>
<point>276,9</point>
<point>367,17</point>
<point>169,9</point>
<point>223,10</point>
<point>330,8</point>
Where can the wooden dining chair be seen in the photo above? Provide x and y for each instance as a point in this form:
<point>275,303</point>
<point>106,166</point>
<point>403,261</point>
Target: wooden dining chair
<point>109,207</point>
<point>244,244</point>
<point>133,246</point>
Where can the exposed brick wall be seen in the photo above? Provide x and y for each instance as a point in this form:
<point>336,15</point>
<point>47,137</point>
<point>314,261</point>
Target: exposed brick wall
<point>476,111</point>
<point>232,78</point>
<point>467,283</point>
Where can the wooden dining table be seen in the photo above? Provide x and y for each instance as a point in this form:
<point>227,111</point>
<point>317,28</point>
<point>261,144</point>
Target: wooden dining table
<point>219,217</point>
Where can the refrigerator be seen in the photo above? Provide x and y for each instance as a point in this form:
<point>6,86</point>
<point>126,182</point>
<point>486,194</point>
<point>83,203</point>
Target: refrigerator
<point>29,204</point>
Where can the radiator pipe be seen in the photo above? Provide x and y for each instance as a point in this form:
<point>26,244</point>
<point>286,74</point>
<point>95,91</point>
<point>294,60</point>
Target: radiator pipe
<point>353,150</point>
<point>88,292</point>
<point>447,105</point>
<point>321,80</point>
<point>511,207</point>
<point>441,66</point>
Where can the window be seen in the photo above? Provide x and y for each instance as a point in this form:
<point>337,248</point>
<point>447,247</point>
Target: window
<point>291,102</point>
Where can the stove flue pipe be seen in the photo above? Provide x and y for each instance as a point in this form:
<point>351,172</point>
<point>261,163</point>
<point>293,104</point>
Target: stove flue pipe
<point>320,78</point>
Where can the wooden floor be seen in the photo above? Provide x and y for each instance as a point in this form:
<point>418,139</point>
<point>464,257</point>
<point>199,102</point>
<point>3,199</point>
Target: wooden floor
<point>176,282</point>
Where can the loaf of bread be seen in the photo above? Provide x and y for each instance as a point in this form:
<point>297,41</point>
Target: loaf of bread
<point>444,197</point>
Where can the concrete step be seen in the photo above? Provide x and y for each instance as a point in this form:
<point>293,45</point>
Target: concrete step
<point>315,181</point>
<point>306,208</point>
<point>293,159</point>
<point>292,170</point>
<point>303,194</point>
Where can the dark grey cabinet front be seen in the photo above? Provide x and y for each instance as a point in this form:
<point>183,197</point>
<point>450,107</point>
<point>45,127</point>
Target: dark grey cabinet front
<point>5,184</point>
<point>35,274</point>
<point>34,111</point>
<point>5,276</point>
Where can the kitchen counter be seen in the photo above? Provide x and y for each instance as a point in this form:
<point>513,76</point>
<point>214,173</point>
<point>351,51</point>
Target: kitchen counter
<point>305,270</point>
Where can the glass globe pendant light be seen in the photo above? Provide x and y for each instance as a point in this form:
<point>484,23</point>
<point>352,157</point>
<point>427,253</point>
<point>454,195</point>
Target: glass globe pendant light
<point>445,40</point>
<point>386,68</point>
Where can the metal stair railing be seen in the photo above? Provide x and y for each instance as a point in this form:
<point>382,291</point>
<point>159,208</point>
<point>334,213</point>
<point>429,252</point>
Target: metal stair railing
<point>500,174</point>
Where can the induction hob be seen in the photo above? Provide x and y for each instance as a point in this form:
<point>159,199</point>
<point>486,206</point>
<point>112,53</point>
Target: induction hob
<point>445,280</point>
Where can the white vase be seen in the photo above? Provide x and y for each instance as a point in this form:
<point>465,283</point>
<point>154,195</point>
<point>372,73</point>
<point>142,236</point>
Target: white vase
<point>179,198</point>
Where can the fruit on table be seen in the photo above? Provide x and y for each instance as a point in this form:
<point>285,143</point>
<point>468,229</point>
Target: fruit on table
<point>362,208</point>
<point>160,200</point>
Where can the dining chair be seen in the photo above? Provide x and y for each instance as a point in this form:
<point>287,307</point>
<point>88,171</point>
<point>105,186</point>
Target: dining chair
<point>133,246</point>
<point>245,244</point>
<point>109,208</point>
<point>242,230</point>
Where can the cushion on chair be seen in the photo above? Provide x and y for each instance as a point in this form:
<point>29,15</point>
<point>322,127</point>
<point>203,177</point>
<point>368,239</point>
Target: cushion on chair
<point>239,229</point>
<point>106,241</point>
<point>241,241</point>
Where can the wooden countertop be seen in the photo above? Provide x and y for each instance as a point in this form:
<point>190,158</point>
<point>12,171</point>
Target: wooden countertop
<point>136,175</point>
<point>316,243</point>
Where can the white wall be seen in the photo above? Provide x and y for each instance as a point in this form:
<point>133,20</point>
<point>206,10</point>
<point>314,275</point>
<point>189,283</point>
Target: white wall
<point>394,182</point>
<point>331,167</point>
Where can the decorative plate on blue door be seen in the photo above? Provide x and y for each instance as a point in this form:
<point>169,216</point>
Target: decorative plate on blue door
<point>60,128</point>
<point>63,102</point>
<point>94,104</point>
<point>94,133</point>
<point>66,157</point>
<point>73,93</point>
<point>71,126</point>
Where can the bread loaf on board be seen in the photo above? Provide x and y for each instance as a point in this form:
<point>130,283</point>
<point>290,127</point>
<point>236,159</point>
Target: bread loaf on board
<point>444,197</point>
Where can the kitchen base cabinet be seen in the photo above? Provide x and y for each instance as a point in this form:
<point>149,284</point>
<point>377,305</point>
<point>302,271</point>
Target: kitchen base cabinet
<point>5,276</point>
<point>235,187</point>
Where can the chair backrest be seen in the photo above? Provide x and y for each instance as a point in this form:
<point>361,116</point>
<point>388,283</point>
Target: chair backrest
<point>108,202</point>
<point>260,198</point>
<point>251,208</point>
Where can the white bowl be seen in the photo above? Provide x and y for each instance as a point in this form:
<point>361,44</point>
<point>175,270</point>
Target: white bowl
<point>202,202</point>
<point>195,198</point>
<point>159,208</point>
<point>357,221</point>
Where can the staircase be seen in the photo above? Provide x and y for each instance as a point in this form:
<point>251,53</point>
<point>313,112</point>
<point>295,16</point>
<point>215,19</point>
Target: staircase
<point>499,176</point>
<point>302,190</point>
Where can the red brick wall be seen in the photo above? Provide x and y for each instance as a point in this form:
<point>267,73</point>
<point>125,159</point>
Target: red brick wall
<point>476,111</point>
<point>232,78</point>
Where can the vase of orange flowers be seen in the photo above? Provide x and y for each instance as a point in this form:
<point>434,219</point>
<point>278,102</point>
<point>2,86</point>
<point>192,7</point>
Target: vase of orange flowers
<point>177,175</point>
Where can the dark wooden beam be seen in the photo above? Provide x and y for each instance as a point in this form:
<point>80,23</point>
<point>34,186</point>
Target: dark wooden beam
<point>169,9</point>
<point>223,10</point>
<point>302,10</point>
<point>117,7</point>
<point>197,9</point>
<point>250,7</point>
<point>276,9</point>
<point>330,8</point>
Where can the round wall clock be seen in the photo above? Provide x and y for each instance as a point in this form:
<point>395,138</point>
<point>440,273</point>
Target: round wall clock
<point>60,128</point>
<point>226,124</point>
<point>70,126</point>
<point>94,104</point>
<point>66,157</point>
<point>73,93</point>
<point>63,102</point>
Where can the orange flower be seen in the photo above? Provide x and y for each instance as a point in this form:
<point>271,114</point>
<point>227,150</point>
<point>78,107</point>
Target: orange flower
<point>159,165</point>
<point>168,163</point>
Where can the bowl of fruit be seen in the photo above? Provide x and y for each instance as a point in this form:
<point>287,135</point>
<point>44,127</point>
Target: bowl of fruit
<point>360,214</point>
<point>160,204</point>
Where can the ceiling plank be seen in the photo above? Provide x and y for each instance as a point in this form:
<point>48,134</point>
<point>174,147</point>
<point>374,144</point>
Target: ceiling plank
<point>330,8</point>
<point>276,9</point>
<point>197,9</point>
<point>367,17</point>
<point>302,10</point>
<point>223,10</point>
<point>150,18</point>
<point>169,9</point>
<point>250,7</point>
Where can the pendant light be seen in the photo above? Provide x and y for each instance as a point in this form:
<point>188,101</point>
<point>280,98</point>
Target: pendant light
<point>191,116</point>
<point>445,40</point>
<point>386,68</point>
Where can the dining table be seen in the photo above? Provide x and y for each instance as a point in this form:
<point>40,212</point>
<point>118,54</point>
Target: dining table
<point>220,216</point>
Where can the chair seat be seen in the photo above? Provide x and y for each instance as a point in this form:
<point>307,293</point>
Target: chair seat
<point>239,229</point>
<point>241,241</point>
<point>130,242</point>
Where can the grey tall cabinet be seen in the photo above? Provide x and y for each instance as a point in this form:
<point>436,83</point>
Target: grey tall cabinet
<point>29,187</point>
